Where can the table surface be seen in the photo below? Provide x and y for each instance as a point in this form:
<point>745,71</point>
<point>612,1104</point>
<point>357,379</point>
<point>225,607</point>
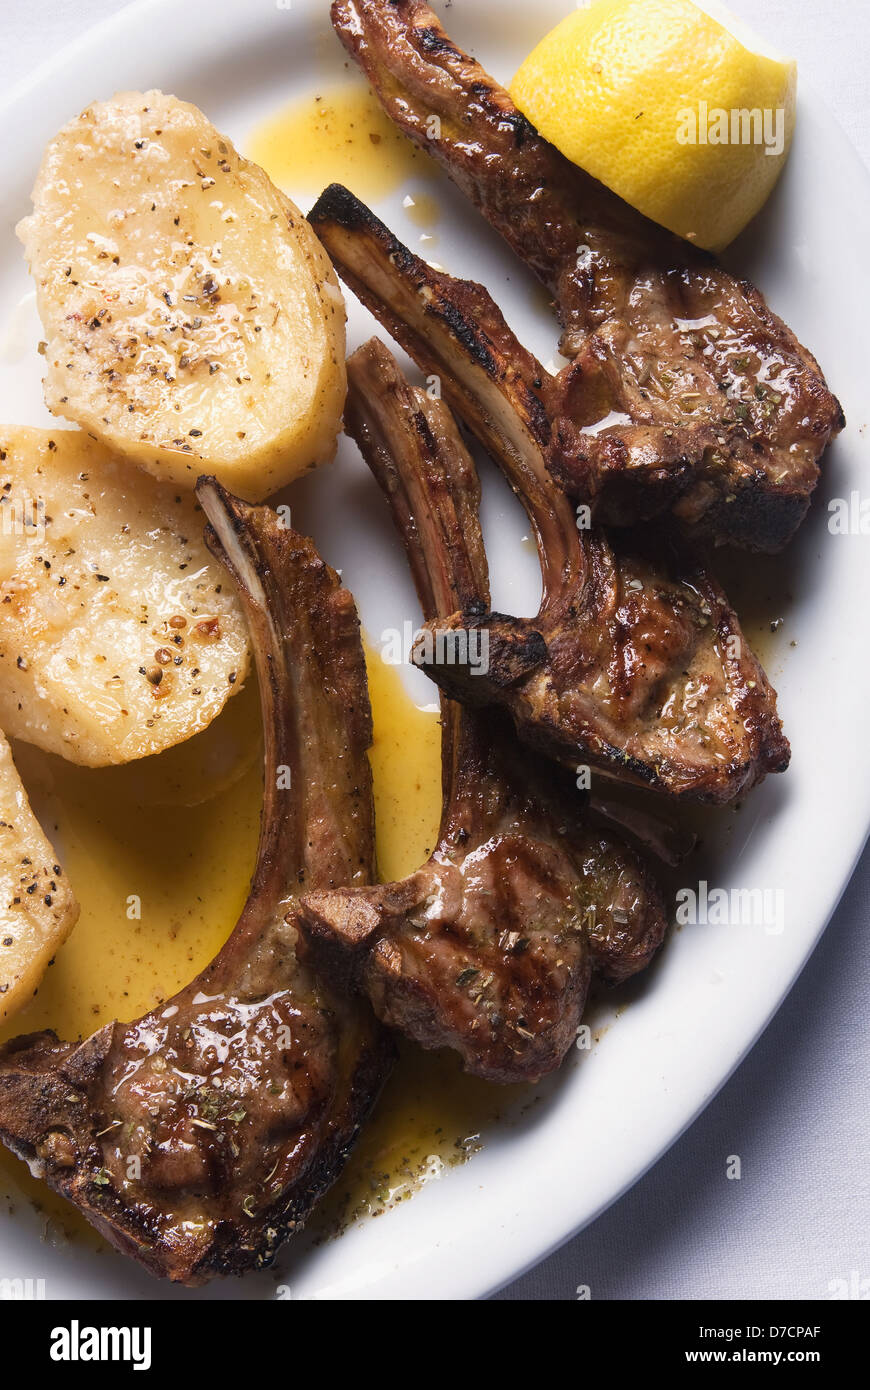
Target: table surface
<point>795,1111</point>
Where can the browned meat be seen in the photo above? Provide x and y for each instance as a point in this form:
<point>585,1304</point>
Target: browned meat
<point>718,411</point>
<point>199,1137</point>
<point>636,663</point>
<point>490,946</point>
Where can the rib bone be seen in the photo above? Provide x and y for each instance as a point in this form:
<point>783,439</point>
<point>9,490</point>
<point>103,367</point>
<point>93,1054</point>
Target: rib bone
<point>490,946</point>
<point>636,663</point>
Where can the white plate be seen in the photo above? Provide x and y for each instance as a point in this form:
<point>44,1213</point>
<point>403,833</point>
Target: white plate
<point>715,987</point>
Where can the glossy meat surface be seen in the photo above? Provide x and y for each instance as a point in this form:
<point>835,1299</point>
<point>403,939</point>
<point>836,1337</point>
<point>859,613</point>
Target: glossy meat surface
<point>686,392</point>
<point>635,663</point>
<point>197,1138</point>
<point>490,946</point>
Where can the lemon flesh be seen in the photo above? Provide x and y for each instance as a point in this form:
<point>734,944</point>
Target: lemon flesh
<point>663,104</point>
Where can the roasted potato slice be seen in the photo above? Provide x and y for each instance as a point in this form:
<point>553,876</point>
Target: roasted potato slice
<point>194,322</point>
<point>119,635</point>
<point>37,907</point>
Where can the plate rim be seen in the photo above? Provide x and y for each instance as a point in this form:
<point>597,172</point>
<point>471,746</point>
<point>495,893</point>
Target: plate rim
<point>126,18</point>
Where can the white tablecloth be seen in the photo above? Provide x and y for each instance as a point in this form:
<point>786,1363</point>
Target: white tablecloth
<point>796,1111</point>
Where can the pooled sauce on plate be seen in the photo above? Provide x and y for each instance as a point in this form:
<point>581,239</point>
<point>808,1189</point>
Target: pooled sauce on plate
<point>760,589</point>
<point>160,853</point>
<point>406,769</point>
<point>339,136</point>
<point>431,1115</point>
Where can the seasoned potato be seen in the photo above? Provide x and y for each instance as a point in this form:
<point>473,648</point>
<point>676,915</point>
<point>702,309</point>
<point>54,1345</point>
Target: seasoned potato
<point>37,907</point>
<point>119,634</point>
<point>194,322</point>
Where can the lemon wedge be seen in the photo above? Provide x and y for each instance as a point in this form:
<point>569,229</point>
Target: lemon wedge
<point>667,107</point>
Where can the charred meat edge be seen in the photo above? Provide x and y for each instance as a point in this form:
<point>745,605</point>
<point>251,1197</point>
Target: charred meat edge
<point>727,414</point>
<point>490,946</point>
<point>686,708</point>
<point>199,1137</point>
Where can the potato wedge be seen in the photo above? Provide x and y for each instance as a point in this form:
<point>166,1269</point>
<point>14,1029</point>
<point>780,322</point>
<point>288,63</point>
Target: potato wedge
<point>37,907</point>
<point>194,322</point>
<point>119,633</point>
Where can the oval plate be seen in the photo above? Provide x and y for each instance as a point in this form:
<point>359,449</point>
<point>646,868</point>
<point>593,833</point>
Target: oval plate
<point>613,1111</point>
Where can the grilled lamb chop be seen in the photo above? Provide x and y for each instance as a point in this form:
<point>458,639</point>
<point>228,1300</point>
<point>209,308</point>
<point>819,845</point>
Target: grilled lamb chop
<point>199,1137</point>
<point>701,400</point>
<point>636,663</point>
<point>489,947</point>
